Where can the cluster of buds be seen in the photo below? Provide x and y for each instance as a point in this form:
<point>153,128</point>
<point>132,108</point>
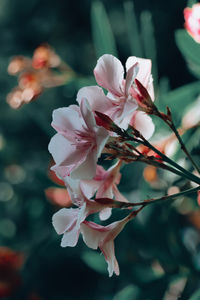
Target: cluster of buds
<point>35,75</point>
<point>114,124</point>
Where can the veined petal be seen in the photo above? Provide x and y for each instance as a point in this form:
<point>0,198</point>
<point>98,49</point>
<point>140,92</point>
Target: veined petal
<point>60,148</point>
<point>87,169</point>
<point>96,98</point>
<point>101,139</point>
<point>108,251</point>
<point>67,119</point>
<point>92,235</point>
<point>87,114</point>
<point>64,219</point>
<point>70,238</point>
<point>109,74</point>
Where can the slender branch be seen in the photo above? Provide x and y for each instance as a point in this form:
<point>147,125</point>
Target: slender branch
<point>189,175</point>
<point>154,200</point>
<point>171,125</point>
<point>183,147</point>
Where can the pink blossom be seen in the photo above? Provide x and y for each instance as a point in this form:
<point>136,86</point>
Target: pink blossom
<point>67,221</point>
<point>192,21</point>
<point>95,236</point>
<point>104,184</point>
<point>121,101</point>
<point>78,143</point>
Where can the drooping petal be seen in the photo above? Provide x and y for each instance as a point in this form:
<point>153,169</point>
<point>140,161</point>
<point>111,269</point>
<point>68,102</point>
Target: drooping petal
<point>70,238</point>
<point>90,235</point>
<point>108,250</point>
<point>143,123</point>
<point>64,219</point>
<point>109,74</point>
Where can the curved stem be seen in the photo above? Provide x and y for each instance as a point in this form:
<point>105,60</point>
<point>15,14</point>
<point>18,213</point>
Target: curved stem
<point>153,200</point>
<point>189,175</point>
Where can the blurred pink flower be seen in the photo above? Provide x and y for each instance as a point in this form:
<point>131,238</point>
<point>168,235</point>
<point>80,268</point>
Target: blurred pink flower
<point>78,143</point>
<point>192,21</point>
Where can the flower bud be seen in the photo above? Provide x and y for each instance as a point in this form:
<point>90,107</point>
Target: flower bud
<point>106,122</point>
<point>143,98</point>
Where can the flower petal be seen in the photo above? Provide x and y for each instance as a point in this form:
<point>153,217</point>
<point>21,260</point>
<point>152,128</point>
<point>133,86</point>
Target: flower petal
<point>70,238</point>
<point>96,98</point>
<point>109,74</point>
<point>143,123</point>
<point>87,114</point>
<point>60,148</point>
<point>87,169</point>
<point>67,119</point>
<point>64,219</point>
<point>105,213</point>
<point>92,234</point>
<point>130,76</point>
<point>108,251</point>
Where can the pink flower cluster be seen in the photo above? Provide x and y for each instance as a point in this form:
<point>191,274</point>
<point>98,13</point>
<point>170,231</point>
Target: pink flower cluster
<point>192,21</point>
<point>79,143</point>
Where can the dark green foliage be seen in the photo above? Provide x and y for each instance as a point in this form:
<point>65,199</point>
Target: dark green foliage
<point>160,247</point>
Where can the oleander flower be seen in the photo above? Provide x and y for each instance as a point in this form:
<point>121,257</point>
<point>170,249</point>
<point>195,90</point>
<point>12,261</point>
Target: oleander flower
<point>120,103</point>
<point>102,237</point>
<point>78,143</point>
<point>192,21</point>
<point>103,185</point>
<point>67,221</point>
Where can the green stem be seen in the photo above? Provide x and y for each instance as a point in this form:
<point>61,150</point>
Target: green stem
<point>183,147</point>
<point>153,200</point>
<point>189,175</point>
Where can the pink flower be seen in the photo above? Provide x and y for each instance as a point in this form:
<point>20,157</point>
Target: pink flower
<point>143,123</point>
<point>67,221</point>
<point>104,184</point>
<point>192,21</point>
<point>95,236</point>
<point>121,100</point>
<point>78,143</point>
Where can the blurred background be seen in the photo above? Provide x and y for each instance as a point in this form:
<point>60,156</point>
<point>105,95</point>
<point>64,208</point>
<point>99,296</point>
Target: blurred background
<point>159,252</point>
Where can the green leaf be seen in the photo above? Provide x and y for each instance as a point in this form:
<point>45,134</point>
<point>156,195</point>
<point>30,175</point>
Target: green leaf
<point>178,99</point>
<point>129,292</point>
<point>189,49</point>
<point>101,30</point>
<point>149,43</point>
<point>195,296</point>
<point>132,29</point>
<point>95,261</point>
